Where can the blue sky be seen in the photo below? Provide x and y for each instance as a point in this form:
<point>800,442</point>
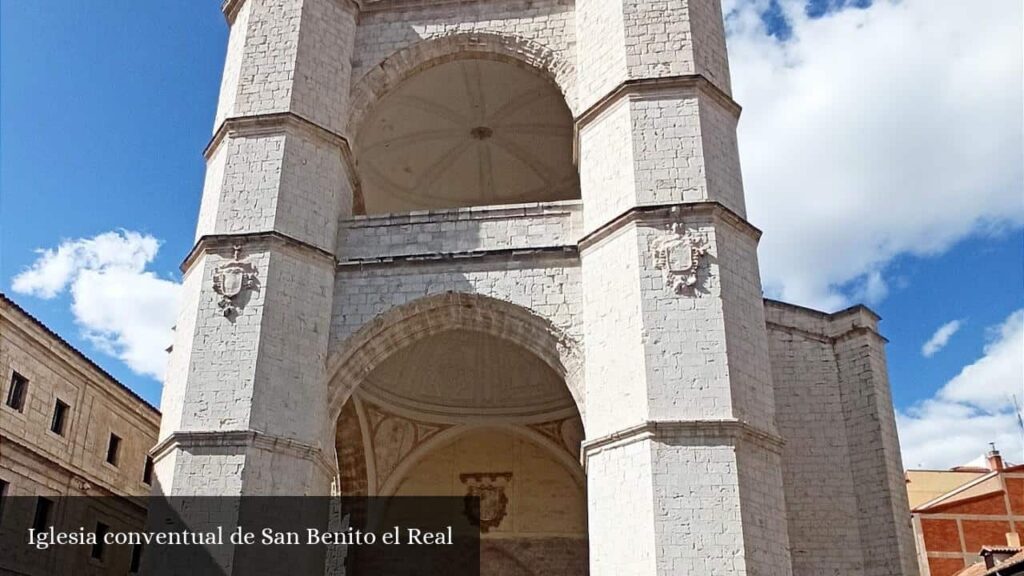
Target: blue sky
<point>105,108</point>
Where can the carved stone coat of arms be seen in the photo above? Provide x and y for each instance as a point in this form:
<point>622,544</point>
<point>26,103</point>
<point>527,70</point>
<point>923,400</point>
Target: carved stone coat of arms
<point>231,281</point>
<point>486,502</point>
<point>678,255</point>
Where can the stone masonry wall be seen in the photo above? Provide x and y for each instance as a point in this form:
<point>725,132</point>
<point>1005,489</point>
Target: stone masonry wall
<point>885,523</point>
<point>35,461</point>
<point>285,55</point>
<point>816,462</point>
<point>835,414</point>
<point>461,230</point>
<point>621,40</point>
<point>548,286</point>
<point>97,407</point>
<point>550,23</point>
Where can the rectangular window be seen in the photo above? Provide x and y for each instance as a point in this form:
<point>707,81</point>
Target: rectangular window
<point>136,559</point>
<point>4,486</point>
<point>44,508</point>
<point>16,394</point>
<point>113,449</point>
<point>147,471</point>
<point>60,412</point>
<point>99,548</point>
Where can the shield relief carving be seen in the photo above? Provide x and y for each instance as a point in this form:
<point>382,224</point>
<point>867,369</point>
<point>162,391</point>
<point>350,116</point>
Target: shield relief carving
<point>678,255</point>
<point>486,501</point>
<point>232,282</point>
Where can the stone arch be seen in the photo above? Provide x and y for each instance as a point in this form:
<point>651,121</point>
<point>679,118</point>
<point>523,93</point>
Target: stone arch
<point>403,325</point>
<point>450,435</point>
<point>380,79</point>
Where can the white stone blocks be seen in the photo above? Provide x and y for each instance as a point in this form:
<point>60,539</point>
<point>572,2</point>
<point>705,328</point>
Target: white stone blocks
<point>623,40</point>
<point>661,147</point>
<point>427,234</point>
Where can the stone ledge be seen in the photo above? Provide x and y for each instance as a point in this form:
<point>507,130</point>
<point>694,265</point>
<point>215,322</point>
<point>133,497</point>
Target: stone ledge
<point>830,328</point>
<point>695,83</point>
<point>212,242</point>
<point>488,212</point>
<point>82,479</point>
<point>230,8</point>
<point>711,429</point>
<point>370,6</point>
<point>278,122</point>
<point>504,254</point>
<point>460,232</point>
<point>665,212</point>
<point>272,123</point>
<point>241,439</point>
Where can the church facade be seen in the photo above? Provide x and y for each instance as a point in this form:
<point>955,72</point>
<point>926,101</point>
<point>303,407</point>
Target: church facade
<point>450,247</point>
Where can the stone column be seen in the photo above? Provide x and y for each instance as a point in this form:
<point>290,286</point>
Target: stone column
<point>682,452</point>
<point>886,532</point>
<point>245,398</point>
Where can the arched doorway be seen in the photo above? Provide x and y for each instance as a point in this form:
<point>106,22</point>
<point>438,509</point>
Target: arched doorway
<point>462,408</point>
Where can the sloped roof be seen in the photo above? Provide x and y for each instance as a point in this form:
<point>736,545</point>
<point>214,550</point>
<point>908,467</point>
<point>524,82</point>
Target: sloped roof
<point>984,485</point>
<point>1012,565</point>
<point>14,306</point>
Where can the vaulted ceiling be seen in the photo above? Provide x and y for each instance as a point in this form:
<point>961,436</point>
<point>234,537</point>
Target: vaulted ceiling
<point>467,133</point>
<point>468,373</point>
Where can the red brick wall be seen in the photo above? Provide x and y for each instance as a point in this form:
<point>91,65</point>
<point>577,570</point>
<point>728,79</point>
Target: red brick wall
<point>978,533</point>
<point>940,535</point>
<point>945,566</point>
<point>1015,489</point>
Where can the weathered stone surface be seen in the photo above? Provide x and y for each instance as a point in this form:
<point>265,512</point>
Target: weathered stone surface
<point>700,415</point>
<point>37,461</point>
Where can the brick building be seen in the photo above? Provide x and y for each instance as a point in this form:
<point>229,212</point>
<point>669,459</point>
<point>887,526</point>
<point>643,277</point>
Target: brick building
<point>502,245</point>
<point>966,510</point>
<point>67,428</point>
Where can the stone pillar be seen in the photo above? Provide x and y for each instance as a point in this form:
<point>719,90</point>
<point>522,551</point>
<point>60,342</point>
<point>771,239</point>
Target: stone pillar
<point>884,522</point>
<point>245,398</point>
<point>683,456</point>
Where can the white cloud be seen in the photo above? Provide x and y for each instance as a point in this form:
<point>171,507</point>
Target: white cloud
<point>940,338</point>
<point>876,132</point>
<point>974,408</point>
<point>124,310</point>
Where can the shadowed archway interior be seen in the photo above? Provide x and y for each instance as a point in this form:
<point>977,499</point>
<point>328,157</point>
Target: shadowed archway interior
<point>463,410</point>
<point>467,133</point>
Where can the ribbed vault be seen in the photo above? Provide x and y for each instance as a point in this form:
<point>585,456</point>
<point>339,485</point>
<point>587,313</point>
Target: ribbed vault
<point>467,133</point>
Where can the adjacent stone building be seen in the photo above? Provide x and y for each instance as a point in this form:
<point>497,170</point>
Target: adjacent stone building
<point>501,245</point>
<point>67,428</point>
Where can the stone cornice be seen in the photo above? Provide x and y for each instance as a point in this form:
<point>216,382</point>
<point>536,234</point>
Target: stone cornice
<point>684,429</point>
<point>852,310</point>
<point>640,214</point>
<point>211,242</point>
<point>87,482</point>
<point>505,254</point>
<point>230,8</point>
<point>278,122</point>
<point>242,439</point>
<point>273,123</point>
<point>370,6</point>
<point>829,328</point>
<point>825,338</point>
<point>695,83</point>
<point>73,359</point>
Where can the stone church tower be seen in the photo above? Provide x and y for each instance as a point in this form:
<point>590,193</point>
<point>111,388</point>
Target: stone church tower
<point>453,242</point>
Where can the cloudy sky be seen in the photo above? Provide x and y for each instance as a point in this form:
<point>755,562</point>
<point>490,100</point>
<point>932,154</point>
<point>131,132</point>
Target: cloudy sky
<point>881,146</point>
